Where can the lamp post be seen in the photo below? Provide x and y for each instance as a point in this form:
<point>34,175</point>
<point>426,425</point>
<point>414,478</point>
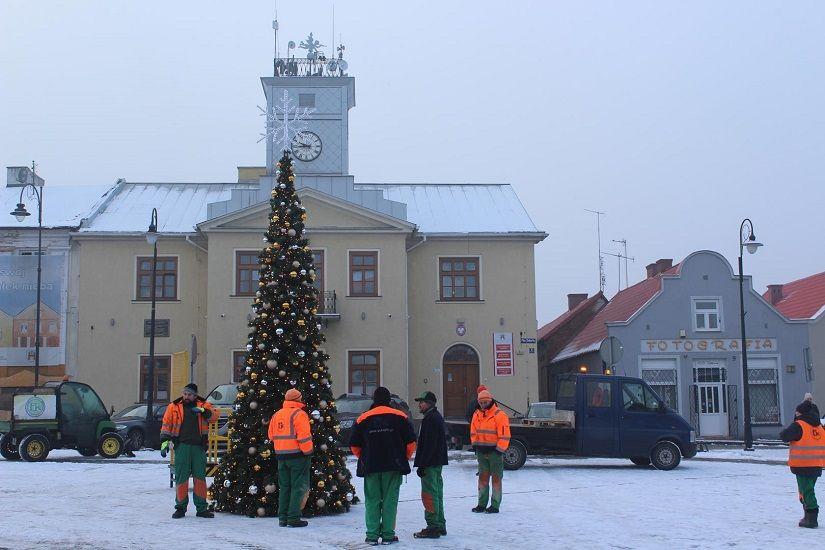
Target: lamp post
<point>747,240</point>
<point>21,214</point>
<point>152,238</point>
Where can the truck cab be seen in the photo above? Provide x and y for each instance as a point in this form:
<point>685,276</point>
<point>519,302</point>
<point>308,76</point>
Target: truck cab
<point>622,417</point>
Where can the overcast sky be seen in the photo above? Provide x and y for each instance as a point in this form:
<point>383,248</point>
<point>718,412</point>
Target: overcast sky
<point>676,119</point>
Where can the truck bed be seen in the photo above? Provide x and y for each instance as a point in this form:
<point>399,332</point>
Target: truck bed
<point>539,440</point>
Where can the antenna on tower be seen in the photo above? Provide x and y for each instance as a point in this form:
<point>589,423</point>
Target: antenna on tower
<point>275,29</point>
<point>599,215</point>
<point>625,257</point>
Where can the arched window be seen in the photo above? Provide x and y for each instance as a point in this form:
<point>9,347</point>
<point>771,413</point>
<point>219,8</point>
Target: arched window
<point>461,353</point>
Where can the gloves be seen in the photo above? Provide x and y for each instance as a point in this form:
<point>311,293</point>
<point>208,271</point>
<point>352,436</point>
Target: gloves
<point>421,472</point>
<point>164,448</point>
<point>198,409</point>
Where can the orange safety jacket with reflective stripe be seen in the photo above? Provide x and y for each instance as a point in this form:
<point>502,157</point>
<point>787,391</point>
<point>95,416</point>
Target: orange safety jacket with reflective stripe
<point>491,429</point>
<point>809,451</point>
<point>173,418</point>
<point>289,431</point>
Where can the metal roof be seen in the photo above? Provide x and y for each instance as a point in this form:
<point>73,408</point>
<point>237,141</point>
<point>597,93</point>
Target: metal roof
<point>63,205</point>
<point>181,206</point>
<point>460,208</point>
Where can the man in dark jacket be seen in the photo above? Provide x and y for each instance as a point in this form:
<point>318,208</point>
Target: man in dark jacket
<point>473,406</point>
<point>383,440</point>
<point>430,457</point>
<point>806,456</point>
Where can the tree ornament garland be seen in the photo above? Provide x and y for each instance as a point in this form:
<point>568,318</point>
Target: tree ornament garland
<point>282,353</point>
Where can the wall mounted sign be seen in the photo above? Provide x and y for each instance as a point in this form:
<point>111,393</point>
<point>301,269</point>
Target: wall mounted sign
<point>707,345</point>
<point>503,356</point>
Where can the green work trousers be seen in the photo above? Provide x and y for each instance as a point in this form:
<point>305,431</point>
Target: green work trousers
<point>190,460</point>
<point>432,496</point>
<point>807,495</point>
<point>293,486</point>
<point>381,503</point>
<point>490,465</point>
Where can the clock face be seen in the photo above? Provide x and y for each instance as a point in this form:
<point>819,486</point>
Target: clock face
<point>306,146</point>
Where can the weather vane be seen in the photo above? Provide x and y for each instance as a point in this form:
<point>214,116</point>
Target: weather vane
<point>311,46</point>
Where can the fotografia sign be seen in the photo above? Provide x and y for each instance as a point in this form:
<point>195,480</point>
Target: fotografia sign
<point>707,345</point>
<point>503,356</point>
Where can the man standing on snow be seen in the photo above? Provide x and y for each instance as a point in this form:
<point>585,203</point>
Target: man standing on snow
<point>292,441</point>
<point>490,436</point>
<point>186,425</point>
<point>430,457</point>
<point>383,440</point>
<point>806,456</point>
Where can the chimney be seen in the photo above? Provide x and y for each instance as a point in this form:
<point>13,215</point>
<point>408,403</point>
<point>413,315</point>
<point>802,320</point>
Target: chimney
<point>774,294</point>
<point>575,299</point>
<point>658,267</point>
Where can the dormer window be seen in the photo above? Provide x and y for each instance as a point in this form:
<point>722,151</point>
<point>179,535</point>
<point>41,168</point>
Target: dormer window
<point>306,100</point>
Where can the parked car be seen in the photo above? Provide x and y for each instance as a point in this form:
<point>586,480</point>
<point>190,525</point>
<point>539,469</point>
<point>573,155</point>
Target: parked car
<point>351,405</point>
<point>132,425</point>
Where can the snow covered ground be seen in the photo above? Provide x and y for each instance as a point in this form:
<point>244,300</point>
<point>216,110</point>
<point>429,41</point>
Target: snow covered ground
<point>67,502</point>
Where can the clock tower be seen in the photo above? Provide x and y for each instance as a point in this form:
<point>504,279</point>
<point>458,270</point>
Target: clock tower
<point>322,98</point>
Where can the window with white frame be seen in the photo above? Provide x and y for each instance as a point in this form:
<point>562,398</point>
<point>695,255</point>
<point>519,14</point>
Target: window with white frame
<point>707,314</point>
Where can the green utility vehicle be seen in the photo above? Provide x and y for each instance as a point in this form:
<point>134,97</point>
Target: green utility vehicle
<point>57,415</point>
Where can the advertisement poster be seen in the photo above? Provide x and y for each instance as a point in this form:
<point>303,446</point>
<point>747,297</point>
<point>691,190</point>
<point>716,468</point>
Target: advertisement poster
<point>18,310</point>
<point>503,355</point>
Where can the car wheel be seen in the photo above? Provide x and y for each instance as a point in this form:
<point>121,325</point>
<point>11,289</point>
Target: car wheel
<point>87,451</point>
<point>666,455</point>
<point>34,448</point>
<point>136,439</point>
<point>110,445</point>
<point>515,456</point>
<point>8,449</point>
<point>640,461</point>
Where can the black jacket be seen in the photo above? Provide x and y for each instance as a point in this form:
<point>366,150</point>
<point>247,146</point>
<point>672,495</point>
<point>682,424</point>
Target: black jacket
<point>794,433</point>
<point>383,440</point>
<point>432,441</point>
<point>472,407</point>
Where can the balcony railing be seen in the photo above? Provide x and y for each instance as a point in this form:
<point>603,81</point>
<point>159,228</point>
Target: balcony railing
<point>326,304</point>
<point>322,66</point>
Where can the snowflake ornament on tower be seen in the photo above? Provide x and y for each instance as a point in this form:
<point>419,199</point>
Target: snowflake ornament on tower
<point>284,123</point>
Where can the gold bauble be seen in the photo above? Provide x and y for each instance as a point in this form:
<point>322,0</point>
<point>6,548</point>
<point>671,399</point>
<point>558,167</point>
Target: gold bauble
<point>331,463</point>
<point>254,376</point>
<point>250,361</point>
<point>301,322</point>
<point>315,375</point>
<point>261,392</point>
<point>285,305</point>
<point>241,394</point>
<point>264,335</point>
<point>314,311</point>
<point>276,246</point>
<point>264,315</point>
<point>293,274</point>
<point>321,484</point>
<point>291,177</point>
<point>256,467</point>
<point>303,217</point>
<point>329,419</point>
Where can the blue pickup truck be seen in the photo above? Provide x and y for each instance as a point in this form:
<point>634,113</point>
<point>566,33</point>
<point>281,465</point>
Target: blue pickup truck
<point>609,416</point>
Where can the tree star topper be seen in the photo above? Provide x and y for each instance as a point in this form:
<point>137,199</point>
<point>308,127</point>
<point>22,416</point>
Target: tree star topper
<point>284,122</point>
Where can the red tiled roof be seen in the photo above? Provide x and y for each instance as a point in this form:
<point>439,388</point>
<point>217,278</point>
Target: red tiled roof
<point>802,299</point>
<point>559,321</point>
<point>619,309</point>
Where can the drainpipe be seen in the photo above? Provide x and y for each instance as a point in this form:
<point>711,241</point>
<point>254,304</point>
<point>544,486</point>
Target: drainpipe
<point>196,245</point>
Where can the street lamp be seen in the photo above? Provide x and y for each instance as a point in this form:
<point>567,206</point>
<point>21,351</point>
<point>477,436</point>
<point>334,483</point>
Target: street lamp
<point>152,238</point>
<point>747,241</point>
<point>21,214</point>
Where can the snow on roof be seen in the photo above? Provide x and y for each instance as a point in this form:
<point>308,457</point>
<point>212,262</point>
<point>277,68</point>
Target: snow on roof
<point>460,208</point>
<point>803,298</point>
<point>618,310</point>
<point>181,206</point>
<point>63,205</point>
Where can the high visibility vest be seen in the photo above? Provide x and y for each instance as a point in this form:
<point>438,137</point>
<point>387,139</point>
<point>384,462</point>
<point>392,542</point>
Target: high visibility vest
<point>289,430</point>
<point>173,418</point>
<point>809,451</point>
<point>490,428</point>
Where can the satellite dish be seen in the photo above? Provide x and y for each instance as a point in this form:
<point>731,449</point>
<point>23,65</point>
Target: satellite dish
<point>332,66</point>
<point>611,350</point>
<point>291,45</point>
<point>23,175</point>
<point>342,65</point>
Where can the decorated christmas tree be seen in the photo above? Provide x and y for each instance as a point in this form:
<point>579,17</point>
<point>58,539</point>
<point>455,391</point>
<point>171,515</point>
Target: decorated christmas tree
<point>282,353</point>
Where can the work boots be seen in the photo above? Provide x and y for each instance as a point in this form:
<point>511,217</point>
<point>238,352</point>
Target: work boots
<point>810,519</point>
<point>180,512</point>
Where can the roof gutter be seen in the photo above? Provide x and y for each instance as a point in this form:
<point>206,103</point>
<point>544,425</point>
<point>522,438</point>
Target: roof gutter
<point>196,245</point>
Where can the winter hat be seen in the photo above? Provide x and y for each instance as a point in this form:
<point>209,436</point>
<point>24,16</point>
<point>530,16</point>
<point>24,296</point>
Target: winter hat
<point>481,388</point>
<point>807,408</point>
<point>381,396</point>
<point>293,395</point>
<point>485,395</point>
<point>191,388</point>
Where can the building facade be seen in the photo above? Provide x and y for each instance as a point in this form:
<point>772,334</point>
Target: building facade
<point>680,331</point>
<point>417,280</point>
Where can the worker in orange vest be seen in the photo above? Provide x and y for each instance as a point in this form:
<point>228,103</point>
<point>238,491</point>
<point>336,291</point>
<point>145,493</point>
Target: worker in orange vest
<point>806,456</point>
<point>292,440</point>
<point>490,436</point>
<point>186,425</point>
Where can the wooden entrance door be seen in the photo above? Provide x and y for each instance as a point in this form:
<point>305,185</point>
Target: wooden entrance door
<point>460,372</point>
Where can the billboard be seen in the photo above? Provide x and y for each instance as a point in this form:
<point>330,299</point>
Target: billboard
<point>18,310</point>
